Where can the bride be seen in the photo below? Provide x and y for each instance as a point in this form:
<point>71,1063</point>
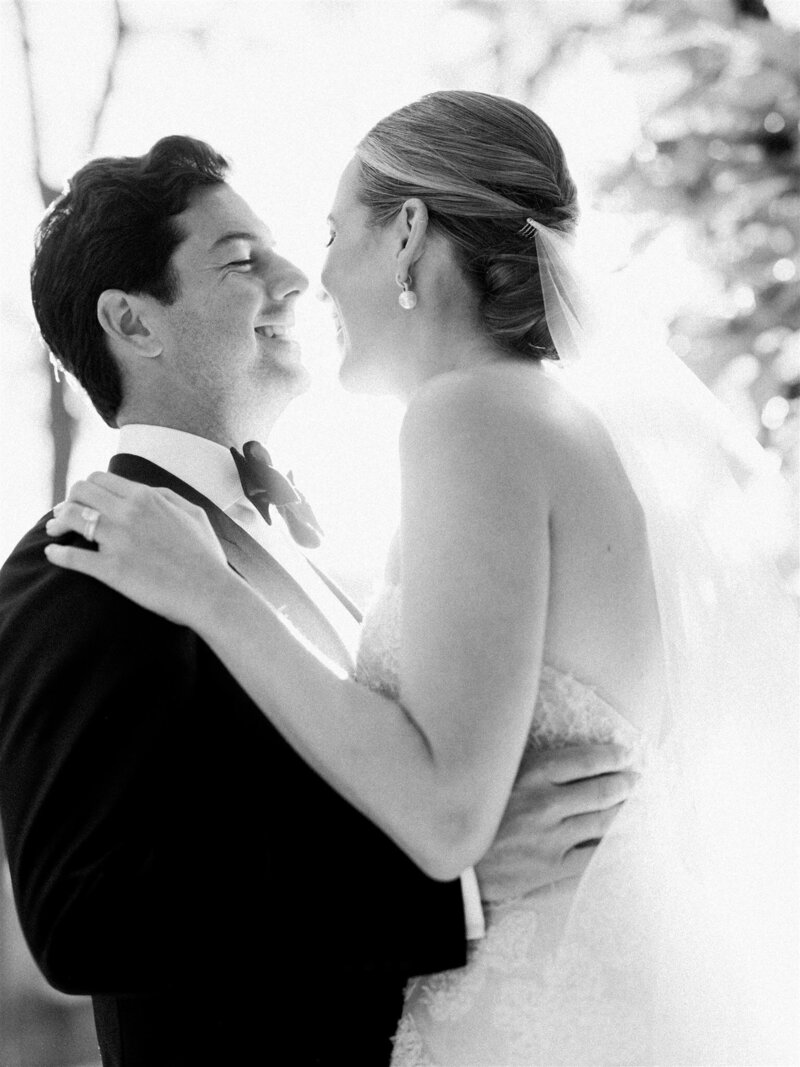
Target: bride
<point>576,561</point>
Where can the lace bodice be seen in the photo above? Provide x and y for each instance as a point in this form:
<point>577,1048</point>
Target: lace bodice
<point>627,963</point>
<point>502,1008</point>
<point>566,711</point>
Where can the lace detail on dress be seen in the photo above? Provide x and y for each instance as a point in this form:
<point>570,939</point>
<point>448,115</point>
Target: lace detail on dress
<point>506,1006</point>
<point>378,658</point>
<point>566,711</point>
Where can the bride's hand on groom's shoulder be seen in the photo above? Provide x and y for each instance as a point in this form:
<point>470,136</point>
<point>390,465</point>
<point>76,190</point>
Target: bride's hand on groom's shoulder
<point>149,544</point>
<point>562,804</point>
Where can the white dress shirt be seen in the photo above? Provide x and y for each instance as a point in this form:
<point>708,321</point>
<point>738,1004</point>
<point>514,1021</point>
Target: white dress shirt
<point>210,469</point>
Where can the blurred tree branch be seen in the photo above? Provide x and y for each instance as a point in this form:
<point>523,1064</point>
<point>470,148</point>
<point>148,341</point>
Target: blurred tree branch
<point>47,192</point>
<point>120,33</point>
<point>754,8</point>
<point>62,423</point>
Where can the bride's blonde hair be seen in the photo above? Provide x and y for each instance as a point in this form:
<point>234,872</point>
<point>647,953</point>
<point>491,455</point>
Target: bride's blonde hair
<point>482,164</point>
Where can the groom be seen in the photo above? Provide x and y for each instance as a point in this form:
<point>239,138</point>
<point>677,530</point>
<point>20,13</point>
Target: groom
<point>171,854</point>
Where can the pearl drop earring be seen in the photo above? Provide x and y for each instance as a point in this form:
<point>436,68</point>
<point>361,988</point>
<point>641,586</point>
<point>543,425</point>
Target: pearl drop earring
<point>408,298</point>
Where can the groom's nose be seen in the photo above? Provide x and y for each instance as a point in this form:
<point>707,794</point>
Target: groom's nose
<point>284,279</point>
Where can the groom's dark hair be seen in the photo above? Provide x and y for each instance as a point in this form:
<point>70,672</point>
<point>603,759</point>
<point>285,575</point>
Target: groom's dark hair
<point>113,228</point>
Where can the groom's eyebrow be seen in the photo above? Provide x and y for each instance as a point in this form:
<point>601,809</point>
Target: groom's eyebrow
<point>237,235</point>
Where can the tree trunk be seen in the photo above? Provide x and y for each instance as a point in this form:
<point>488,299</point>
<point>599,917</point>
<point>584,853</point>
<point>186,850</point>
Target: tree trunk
<point>61,423</point>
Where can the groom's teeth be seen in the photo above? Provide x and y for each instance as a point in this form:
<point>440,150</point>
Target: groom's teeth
<point>274,331</point>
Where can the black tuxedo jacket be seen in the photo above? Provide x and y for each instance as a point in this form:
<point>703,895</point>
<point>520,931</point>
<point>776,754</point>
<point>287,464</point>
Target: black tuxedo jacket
<point>171,855</point>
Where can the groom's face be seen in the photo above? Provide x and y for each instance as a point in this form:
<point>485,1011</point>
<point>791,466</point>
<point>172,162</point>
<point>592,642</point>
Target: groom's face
<point>229,357</point>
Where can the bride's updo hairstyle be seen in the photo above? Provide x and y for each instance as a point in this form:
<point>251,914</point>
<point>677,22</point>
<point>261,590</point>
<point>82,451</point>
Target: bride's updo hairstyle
<point>482,164</point>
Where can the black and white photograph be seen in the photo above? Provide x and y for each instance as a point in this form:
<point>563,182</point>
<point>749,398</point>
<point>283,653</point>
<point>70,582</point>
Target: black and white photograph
<point>399,512</point>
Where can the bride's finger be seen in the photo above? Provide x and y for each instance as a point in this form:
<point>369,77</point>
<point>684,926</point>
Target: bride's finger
<point>576,861</point>
<point>98,487</point>
<point>181,502</point>
<point>82,518</point>
<point>77,559</point>
<point>575,762</point>
<point>114,483</point>
<point>89,494</point>
<point>592,794</point>
<point>83,495</point>
<point>581,830</point>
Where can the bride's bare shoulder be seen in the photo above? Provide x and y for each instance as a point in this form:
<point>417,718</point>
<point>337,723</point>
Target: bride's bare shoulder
<point>513,403</point>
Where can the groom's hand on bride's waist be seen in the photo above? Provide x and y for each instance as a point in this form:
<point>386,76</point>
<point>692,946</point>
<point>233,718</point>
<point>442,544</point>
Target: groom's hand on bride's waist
<point>562,803</point>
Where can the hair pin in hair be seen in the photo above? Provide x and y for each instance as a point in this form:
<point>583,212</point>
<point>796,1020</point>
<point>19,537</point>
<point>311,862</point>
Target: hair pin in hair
<point>529,229</point>
<point>57,365</point>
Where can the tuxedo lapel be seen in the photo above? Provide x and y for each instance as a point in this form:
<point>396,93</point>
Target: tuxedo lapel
<point>337,592</point>
<point>251,561</point>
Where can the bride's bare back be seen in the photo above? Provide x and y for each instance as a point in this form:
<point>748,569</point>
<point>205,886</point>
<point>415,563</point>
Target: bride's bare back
<point>600,615</point>
<point>602,618</point>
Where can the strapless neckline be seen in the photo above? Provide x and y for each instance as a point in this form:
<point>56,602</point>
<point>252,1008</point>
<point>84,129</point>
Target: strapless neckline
<point>567,711</point>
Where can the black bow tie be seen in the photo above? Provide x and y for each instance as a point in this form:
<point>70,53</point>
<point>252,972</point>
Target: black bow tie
<point>263,485</point>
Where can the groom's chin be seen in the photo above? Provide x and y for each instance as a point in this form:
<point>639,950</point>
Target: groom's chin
<point>300,377</point>
<point>293,378</point>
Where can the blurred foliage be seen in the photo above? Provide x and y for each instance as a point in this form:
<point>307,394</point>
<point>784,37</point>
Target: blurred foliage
<point>709,186</point>
<point>719,152</point>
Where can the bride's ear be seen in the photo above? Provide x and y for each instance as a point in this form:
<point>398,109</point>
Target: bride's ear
<point>412,227</point>
<point>124,320</point>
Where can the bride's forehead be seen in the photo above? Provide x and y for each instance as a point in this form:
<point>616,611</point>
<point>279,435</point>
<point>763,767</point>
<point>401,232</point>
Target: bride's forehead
<point>347,189</point>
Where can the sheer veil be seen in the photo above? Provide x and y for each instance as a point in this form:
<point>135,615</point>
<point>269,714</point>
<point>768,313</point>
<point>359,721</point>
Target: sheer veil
<point>696,947</point>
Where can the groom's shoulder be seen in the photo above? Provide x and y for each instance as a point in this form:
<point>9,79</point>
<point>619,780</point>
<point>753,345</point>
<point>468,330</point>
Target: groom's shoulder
<point>39,600</point>
<point>25,561</point>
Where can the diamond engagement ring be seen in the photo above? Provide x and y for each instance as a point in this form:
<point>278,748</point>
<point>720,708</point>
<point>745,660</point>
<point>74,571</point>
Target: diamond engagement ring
<point>91,517</point>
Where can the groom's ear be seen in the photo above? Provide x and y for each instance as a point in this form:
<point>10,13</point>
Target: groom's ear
<point>411,223</point>
<point>124,320</point>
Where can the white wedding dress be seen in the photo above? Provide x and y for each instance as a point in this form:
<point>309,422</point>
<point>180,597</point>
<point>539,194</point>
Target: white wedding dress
<point>677,944</point>
<point>498,1010</point>
<point>626,965</point>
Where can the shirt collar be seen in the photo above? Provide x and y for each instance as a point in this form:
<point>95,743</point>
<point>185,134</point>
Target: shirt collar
<point>205,465</point>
